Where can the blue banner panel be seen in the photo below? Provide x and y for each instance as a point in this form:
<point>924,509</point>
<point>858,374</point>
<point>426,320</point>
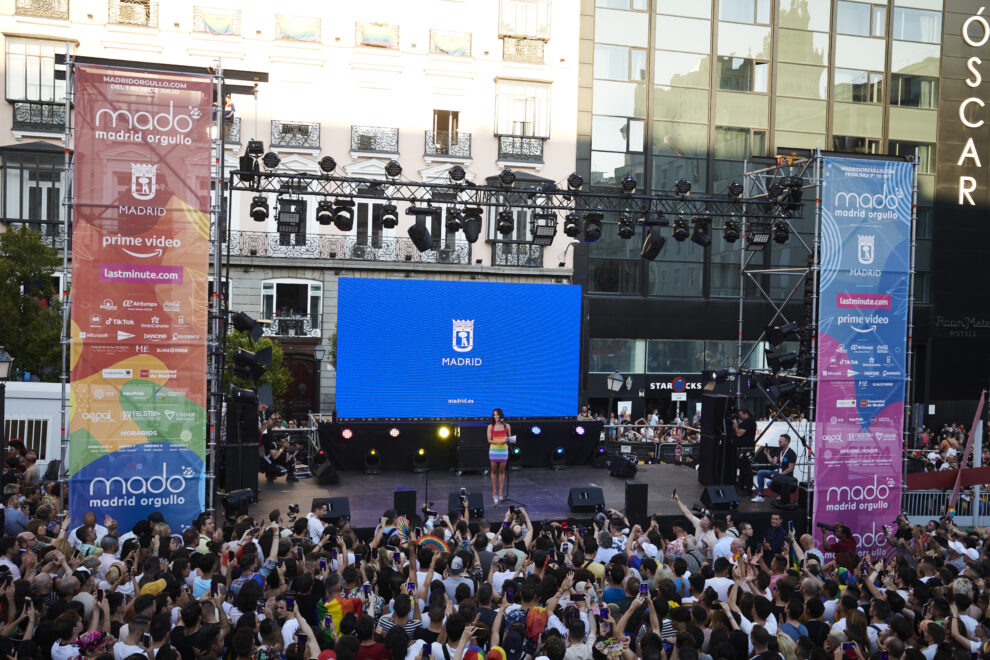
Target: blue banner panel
<point>416,348</point>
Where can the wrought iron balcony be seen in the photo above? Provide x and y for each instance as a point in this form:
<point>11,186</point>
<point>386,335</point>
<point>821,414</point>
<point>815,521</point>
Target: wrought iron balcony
<point>517,254</point>
<point>298,135</point>
<point>39,116</point>
<point>375,139</point>
<point>51,232</point>
<point>292,326</point>
<point>335,246</point>
<point>42,8</point>
<point>516,49</point>
<point>232,131</point>
<point>134,12</point>
<point>520,148</point>
<point>446,143</point>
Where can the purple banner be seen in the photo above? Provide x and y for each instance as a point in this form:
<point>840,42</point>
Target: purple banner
<point>862,330</point>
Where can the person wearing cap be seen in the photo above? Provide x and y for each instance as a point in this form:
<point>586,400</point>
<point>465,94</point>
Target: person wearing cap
<point>455,575</point>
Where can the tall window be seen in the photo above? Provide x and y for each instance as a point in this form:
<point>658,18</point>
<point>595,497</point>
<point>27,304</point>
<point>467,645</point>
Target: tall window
<point>32,187</point>
<point>525,18</point>
<point>913,91</point>
<point>858,86</point>
<point>861,19</point>
<point>293,305</point>
<point>31,71</point>
<point>522,108</point>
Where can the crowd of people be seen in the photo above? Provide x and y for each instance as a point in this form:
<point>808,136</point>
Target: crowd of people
<point>446,587</point>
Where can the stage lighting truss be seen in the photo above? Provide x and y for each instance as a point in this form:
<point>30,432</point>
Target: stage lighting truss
<point>543,228</point>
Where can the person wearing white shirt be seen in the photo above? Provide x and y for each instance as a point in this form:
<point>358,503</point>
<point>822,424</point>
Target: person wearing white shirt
<point>89,520</point>
<point>315,525</point>
<point>606,550</point>
<point>499,577</point>
<point>723,547</point>
<point>720,583</point>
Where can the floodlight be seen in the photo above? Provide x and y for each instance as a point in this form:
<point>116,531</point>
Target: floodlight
<point>453,223</point>
<point>557,458</point>
<point>443,432</point>
<point>575,181</point>
<point>778,334</point>
<point>251,366</point>
<point>544,228</point>
<point>507,177</point>
<point>628,184</point>
<point>394,432</point>
<point>393,170</point>
<point>683,187</point>
<point>328,164</point>
<point>421,461</point>
<point>777,361</point>
<point>472,223</point>
<point>456,173</point>
<point>259,208</point>
<point>736,189</point>
<point>535,429</point>
<point>781,231</point>
<point>390,216</point>
<point>420,235</point>
<point>372,462</point>
<point>515,458</point>
<point>255,148</point>
<point>627,228</point>
<point>271,160</point>
<point>757,235</point>
<point>346,433</point>
<point>245,323</point>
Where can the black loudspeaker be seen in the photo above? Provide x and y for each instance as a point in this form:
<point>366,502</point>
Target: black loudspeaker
<point>586,500</point>
<point>720,498</point>
<point>404,502</point>
<point>717,461</point>
<point>636,493</point>
<point>713,410</point>
<point>325,474</point>
<point>337,508</point>
<point>236,503</point>
<point>621,466</point>
<point>240,451</point>
<point>476,505</point>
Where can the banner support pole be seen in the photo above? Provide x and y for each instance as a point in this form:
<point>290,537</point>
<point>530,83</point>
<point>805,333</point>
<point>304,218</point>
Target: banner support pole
<point>215,408</point>
<point>909,351</point>
<point>63,468</point>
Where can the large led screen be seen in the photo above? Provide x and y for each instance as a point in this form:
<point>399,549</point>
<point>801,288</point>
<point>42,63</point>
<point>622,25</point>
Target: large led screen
<point>415,348</point>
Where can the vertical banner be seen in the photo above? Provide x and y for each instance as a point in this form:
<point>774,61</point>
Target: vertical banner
<point>862,329</point>
<point>140,253</point>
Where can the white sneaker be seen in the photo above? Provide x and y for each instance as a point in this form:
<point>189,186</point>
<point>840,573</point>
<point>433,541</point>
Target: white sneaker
<point>757,498</point>
<point>495,498</point>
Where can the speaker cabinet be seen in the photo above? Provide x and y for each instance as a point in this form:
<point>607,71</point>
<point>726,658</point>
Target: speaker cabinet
<point>586,500</point>
<point>325,474</point>
<point>404,502</point>
<point>636,494</point>
<point>722,497</point>
<point>337,508</point>
<point>240,451</point>
<point>476,504</point>
<point>621,466</point>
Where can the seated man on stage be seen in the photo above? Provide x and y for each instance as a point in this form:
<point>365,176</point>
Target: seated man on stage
<point>785,461</point>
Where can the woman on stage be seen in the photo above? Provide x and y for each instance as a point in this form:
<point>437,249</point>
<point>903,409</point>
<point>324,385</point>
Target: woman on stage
<point>498,452</point>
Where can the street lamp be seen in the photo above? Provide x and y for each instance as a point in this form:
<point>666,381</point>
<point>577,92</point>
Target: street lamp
<point>6,367</point>
<point>614,381</point>
<point>319,352</point>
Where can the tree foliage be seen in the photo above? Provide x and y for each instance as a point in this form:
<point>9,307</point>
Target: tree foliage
<point>276,375</point>
<point>30,312</point>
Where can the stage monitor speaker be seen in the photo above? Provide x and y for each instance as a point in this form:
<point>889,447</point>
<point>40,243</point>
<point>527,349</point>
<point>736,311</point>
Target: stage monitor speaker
<point>337,508</point>
<point>236,503</point>
<point>622,466</point>
<point>636,494</point>
<point>586,500</point>
<point>722,497</point>
<point>325,474</point>
<point>476,504</point>
<point>404,502</point>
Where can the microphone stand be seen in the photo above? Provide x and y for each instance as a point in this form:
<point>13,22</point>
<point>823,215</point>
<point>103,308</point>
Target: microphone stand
<point>509,499</point>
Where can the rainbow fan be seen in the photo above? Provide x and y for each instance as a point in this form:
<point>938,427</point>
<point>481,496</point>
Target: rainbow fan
<point>402,528</point>
<point>434,541</point>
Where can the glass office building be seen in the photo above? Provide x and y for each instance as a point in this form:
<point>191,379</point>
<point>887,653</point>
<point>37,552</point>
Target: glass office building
<point>673,89</point>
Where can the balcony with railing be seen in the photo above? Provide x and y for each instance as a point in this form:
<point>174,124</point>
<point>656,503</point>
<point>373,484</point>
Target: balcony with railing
<point>39,117</point>
<point>521,49</point>
<point>348,248</point>
<point>507,253</point>
<point>520,148</point>
<point>447,144</point>
<point>58,9</point>
<point>143,13</point>
<point>292,326</point>
<point>375,140</point>
<point>295,135</point>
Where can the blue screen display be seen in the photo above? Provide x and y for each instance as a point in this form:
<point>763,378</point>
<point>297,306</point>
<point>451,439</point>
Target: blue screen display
<point>415,348</point>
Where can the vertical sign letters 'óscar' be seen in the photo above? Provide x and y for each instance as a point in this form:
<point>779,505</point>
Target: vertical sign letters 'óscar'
<point>140,252</point>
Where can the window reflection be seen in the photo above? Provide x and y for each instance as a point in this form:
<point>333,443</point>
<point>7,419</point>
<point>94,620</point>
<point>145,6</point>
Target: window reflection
<point>672,278</point>
<point>622,355</point>
<point>913,91</point>
<point>917,25</point>
<point>614,276</point>
<point>680,139</point>
<point>681,69</point>
<point>805,14</point>
<point>669,169</point>
<point>855,145</point>
<point>802,81</point>
<point>675,356</point>
<point>686,34</point>
<point>743,75</point>
<point>925,150</point>
<point>858,86</point>
<point>607,168</point>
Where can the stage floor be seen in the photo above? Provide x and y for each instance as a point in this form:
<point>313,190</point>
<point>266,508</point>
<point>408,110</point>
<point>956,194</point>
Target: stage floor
<point>542,491</point>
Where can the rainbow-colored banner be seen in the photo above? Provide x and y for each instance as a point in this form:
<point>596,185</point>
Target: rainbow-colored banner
<point>378,35</point>
<point>217,21</point>
<point>297,28</point>
<point>450,43</point>
<point>140,254</point>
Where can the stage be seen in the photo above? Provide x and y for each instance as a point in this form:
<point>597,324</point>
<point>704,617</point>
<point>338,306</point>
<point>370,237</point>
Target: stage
<point>542,491</point>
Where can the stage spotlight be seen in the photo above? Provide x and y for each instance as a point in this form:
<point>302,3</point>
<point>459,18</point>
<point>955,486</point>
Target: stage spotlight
<point>683,187</point>
<point>504,222</point>
<point>571,226</point>
<point>507,177</point>
<point>394,432</point>
<point>780,361</point>
<point>730,230</point>
<point>776,191</point>
<point>372,462</point>
<point>544,228</point>
<point>557,458</point>
<point>324,212</point>
<point>592,226</point>
<point>682,229</point>
<point>535,429</point>
<point>251,366</point>
<point>794,191</point>
<point>472,223</point>
<point>245,323</point>
<point>628,184</point>
<point>393,170</point>
<point>328,164</point>
<point>600,458</point>
<point>454,222</point>
<point>420,235</point>
<point>575,181</point>
<point>390,216</point>
<point>781,231</point>
<point>347,433</point>
<point>456,173</point>
<point>343,214</point>
<point>701,235</point>
<point>443,432</point>
<point>242,395</point>
<point>736,189</point>
<point>421,461</point>
<point>579,429</point>
<point>757,235</point>
<point>515,458</point>
<point>627,228</point>
<point>778,334</point>
<point>259,208</point>
<point>652,244</point>
<point>271,160</point>
<point>255,148</point>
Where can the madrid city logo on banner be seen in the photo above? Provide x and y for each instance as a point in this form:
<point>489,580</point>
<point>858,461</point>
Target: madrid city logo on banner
<point>462,339</point>
<point>144,178</point>
<point>864,248</point>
